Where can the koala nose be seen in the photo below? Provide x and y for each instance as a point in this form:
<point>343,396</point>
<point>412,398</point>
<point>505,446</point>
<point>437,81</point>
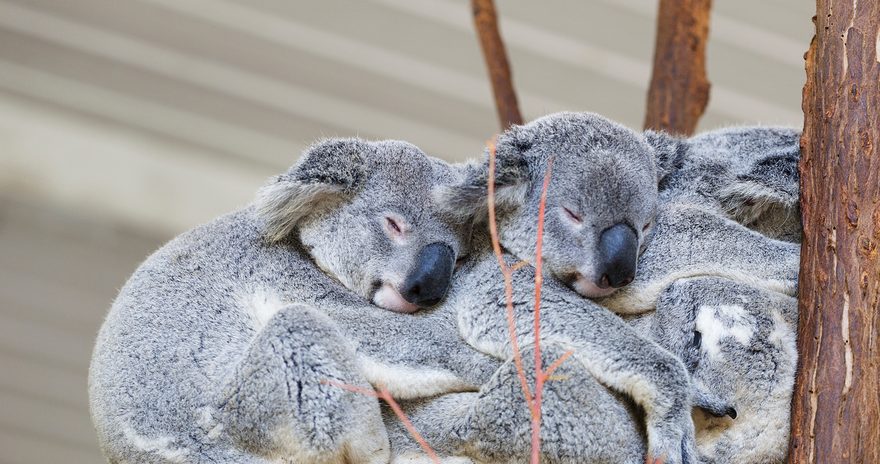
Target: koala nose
<point>618,254</point>
<point>428,282</point>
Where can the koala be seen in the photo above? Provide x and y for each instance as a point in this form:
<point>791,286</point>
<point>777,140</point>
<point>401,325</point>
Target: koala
<point>737,341</point>
<point>748,174</point>
<point>694,237</point>
<point>719,182</point>
<point>232,342</point>
<point>601,201</point>
<point>584,254</point>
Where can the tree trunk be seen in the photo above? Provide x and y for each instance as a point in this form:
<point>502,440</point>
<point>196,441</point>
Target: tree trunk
<point>679,88</point>
<point>495,55</point>
<point>836,404</point>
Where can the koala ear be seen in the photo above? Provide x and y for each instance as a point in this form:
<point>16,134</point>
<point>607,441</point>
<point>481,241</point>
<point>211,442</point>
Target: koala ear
<point>669,152</point>
<point>468,198</point>
<point>327,172</point>
<point>772,181</point>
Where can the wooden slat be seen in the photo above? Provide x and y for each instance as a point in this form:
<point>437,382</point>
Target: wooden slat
<point>43,382</point>
<point>25,448</point>
<point>52,422</point>
<point>45,344</point>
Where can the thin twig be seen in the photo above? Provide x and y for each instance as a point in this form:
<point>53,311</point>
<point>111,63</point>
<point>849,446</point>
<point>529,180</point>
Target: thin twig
<point>539,281</point>
<point>556,364</point>
<point>384,395</point>
<point>507,272</point>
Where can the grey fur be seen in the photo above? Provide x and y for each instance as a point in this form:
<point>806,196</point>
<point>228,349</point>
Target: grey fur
<point>750,359</point>
<point>746,360</point>
<point>619,166</point>
<point>724,180</point>
<point>603,172</point>
<point>749,174</point>
<point>220,346</point>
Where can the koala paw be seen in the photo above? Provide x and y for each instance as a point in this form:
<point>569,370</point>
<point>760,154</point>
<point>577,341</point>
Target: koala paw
<point>675,445</point>
<point>367,442</point>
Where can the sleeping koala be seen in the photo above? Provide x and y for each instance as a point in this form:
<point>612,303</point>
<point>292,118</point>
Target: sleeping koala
<point>721,181</point>
<point>737,341</point>
<point>592,238</point>
<point>691,239</point>
<point>230,342</point>
<point>749,174</point>
<point>602,197</point>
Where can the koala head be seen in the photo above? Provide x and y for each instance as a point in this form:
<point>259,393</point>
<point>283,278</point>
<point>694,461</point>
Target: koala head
<point>364,212</point>
<point>600,201</point>
<point>749,174</point>
<point>738,342</point>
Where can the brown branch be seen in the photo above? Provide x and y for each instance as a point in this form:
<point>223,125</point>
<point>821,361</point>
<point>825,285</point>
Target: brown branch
<point>486,22</point>
<point>679,89</point>
<point>836,401</point>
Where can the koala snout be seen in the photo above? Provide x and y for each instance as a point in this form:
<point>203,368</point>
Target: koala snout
<point>428,281</point>
<point>618,252</point>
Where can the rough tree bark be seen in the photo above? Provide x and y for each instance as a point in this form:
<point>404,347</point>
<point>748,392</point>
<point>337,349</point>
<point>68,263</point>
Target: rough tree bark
<point>495,55</point>
<point>836,404</point>
<point>679,89</point>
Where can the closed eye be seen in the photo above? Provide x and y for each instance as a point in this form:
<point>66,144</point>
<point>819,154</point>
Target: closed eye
<point>576,218</point>
<point>395,228</point>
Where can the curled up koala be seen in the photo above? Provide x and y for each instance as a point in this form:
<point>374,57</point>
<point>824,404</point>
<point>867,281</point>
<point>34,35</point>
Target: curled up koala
<point>742,368</point>
<point>229,344</point>
<point>591,243</point>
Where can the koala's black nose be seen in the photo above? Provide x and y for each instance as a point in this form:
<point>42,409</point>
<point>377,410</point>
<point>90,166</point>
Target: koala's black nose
<point>428,282</point>
<point>618,252</point>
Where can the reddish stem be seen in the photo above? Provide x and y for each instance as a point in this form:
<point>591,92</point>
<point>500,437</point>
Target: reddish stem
<point>384,395</point>
<point>539,281</point>
<point>507,272</point>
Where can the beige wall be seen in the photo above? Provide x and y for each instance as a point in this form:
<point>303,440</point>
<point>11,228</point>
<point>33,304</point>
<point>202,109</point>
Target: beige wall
<point>123,122</point>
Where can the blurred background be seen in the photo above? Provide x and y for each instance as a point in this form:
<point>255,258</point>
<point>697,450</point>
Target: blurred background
<point>125,122</point>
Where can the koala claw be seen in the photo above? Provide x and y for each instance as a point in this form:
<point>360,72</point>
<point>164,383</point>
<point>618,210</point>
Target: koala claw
<point>667,452</point>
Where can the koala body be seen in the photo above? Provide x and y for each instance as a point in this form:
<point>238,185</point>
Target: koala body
<point>738,342</point>
<point>709,290</point>
<point>230,343</point>
<point>720,181</point>
<point>591,242</point>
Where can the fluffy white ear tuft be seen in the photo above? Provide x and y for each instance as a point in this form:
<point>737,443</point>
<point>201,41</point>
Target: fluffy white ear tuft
<point>468,200</point>
<point>328,171</point>
<point>282,204</point>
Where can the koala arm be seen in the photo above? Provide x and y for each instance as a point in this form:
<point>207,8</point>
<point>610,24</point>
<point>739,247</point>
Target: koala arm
<point>413,355</point>
<point>610,350</point>
<point>688,241</point>
<point>283,396</point>
<point>582,421</point>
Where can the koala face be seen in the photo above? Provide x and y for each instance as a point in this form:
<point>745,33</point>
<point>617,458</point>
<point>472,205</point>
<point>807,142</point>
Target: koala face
<point>364,212</point>
<point>600,202</point>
